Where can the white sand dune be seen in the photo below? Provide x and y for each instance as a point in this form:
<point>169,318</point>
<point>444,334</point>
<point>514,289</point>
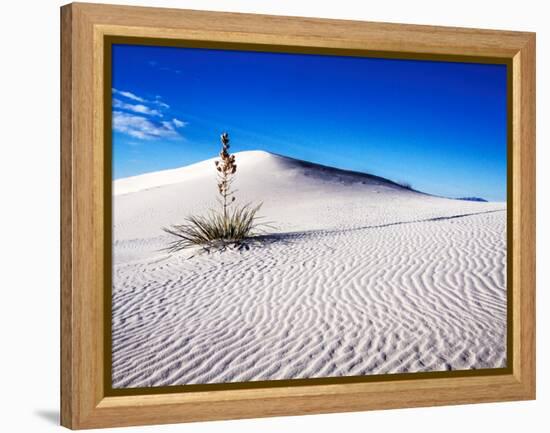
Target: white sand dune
<point>362,277</point>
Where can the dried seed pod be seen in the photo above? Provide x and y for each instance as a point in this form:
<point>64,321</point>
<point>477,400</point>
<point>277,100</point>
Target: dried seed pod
<point>226,168</point>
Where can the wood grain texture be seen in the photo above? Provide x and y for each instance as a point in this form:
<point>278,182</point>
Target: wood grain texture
<point>83,400</point>
<point>525,222</point>
<point>67,388</point>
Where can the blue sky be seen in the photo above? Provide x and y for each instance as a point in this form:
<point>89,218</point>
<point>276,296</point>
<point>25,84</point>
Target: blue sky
<point>440,126</point>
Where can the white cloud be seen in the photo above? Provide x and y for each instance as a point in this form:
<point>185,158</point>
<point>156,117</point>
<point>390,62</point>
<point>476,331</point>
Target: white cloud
<point>162,104</point>
<point>141,127</point>
<point>136,108</point>
<point>130,117</point>
<point>128,95</point>
<point>178,123</point>
<point>168,125</point>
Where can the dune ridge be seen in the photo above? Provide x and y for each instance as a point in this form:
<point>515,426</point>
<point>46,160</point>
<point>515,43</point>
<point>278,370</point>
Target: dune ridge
<point>362,277</point>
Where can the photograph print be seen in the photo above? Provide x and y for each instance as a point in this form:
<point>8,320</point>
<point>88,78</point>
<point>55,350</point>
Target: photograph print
<point>286,216</point>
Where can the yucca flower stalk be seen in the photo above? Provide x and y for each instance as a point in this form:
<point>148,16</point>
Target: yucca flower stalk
<point>226,171</point>
<point>232,225</point>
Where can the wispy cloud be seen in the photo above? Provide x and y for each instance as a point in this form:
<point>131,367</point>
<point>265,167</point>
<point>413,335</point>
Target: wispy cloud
<point>128,95</point>
<point>136,108</point>
<point>178,123</point>
<point>158,101</point>
<point>143,128</point>
<point>138,117</point>
<point>132,96</point>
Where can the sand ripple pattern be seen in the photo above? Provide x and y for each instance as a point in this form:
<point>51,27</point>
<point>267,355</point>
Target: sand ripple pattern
<point>419,294</point>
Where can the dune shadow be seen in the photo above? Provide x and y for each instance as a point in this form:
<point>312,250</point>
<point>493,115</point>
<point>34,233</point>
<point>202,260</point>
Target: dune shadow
<point>290,237</point>
<point>432,219</point>
<point>282,237</point>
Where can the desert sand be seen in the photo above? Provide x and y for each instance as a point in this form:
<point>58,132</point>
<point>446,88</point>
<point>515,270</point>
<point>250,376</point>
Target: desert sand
<point>362,277</point>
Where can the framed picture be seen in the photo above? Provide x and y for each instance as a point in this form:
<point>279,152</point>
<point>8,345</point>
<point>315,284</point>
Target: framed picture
<point>268,216</point>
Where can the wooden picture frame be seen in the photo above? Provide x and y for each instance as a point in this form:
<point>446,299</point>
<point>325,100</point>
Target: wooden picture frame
<point>85,402</point>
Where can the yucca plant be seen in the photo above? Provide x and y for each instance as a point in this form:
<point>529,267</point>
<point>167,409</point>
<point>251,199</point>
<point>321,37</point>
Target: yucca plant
<point>231,225</point>
<point>226,168</point>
